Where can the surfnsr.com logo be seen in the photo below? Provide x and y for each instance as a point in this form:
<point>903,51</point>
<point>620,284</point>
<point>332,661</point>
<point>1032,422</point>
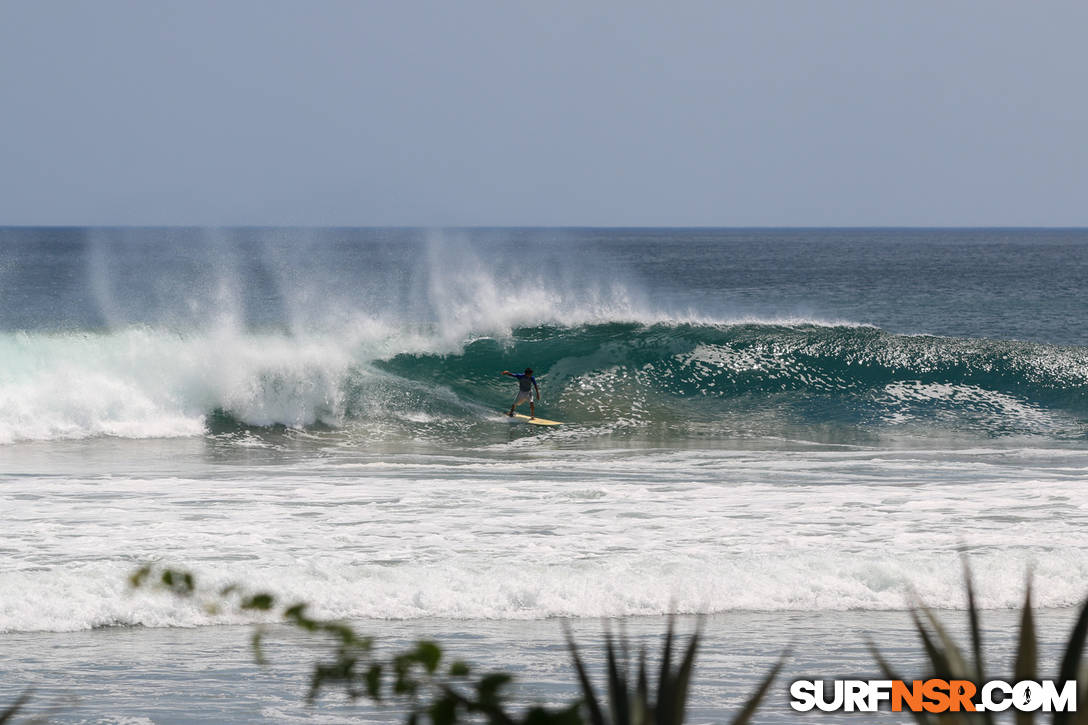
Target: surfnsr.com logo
<point>933,695</point>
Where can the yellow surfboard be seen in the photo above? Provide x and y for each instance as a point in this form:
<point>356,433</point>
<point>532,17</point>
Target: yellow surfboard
<point>536,421</point>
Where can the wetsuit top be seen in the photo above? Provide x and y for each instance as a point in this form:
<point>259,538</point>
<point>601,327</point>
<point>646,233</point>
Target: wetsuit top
<point>525,382</point>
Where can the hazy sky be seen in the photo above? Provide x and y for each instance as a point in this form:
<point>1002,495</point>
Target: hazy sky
<point>586,112</point>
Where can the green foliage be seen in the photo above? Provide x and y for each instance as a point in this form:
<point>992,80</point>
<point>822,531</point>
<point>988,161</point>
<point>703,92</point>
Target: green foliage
<point>948,661</point>
<point>443,694</point>
<point>633,703</point>
<point>416,678</point>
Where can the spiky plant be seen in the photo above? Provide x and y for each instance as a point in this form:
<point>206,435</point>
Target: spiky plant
<point>949,662</point>
<point>633,703</point>
<point>431,691</point>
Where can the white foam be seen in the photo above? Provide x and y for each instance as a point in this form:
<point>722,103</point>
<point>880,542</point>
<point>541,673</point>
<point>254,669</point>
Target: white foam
<point>960,401</point>
<point>141,383</point>
<point>155,383</point>
<point>601,533</point>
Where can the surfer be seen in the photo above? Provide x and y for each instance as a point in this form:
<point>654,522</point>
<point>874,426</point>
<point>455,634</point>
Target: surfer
<point>526,384</point>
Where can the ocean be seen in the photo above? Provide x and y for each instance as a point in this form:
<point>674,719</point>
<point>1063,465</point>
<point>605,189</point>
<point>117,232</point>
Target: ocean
<point>790,431</point>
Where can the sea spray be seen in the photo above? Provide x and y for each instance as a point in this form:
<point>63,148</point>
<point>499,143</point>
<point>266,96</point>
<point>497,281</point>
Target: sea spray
<point>686,379</point>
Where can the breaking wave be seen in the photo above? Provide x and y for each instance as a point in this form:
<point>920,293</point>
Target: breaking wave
<point>681,377</point>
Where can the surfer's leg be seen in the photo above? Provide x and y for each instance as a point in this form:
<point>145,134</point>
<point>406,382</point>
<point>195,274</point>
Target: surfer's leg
<point>532,409</point>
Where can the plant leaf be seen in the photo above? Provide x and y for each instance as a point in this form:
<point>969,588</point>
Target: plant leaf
<point>891,674</point>
<point>936,657</point>
<point>136,580</point>
<point>642,708</point>
<point>596,717</point>
<point>978,673</point>
<point>262,602</point>
<point>443,711</point>
<point>373,680</point>
<point>957,664</point>
<point>1071,661</point>
<point>756,697</point>
<point>665,708</point>
<point>684,673</point>
<point>1026,654</point>
<point>619,698</point>
<point>428,654</point>
<point>255,642</point>
<point>973,618</point>
<point>488,688</point>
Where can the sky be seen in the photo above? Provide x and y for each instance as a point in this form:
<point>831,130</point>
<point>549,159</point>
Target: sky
<point>559,113</point>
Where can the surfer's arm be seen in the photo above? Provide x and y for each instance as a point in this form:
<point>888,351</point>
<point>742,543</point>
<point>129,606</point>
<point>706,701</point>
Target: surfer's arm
<point>507,372</point>
<point>536,389</point>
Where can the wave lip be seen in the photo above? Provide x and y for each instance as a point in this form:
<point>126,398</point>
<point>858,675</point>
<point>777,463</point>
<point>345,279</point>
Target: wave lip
<point>770,378</point>
<point>144,383</point>
<point>691,376</point>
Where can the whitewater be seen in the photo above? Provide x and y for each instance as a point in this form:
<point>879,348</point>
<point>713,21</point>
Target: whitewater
<point>147,383</point>
<point>778,425</point>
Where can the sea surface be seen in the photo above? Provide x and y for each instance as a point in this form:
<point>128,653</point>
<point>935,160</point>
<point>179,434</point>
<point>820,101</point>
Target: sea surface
<point>795,432</point>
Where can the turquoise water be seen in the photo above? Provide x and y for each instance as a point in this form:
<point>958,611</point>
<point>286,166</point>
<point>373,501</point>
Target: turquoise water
<point>793,427</point>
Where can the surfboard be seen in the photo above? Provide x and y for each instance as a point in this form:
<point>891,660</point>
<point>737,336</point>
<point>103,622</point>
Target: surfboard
<point>535,421</point>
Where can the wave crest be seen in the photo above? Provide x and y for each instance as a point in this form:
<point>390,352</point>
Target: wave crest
<point>685,376</point>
